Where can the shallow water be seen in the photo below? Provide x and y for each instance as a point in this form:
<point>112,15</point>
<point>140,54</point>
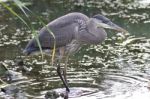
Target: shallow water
<point>116,69</point>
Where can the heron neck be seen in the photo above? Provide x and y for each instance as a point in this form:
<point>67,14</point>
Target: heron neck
<point>99,33</point>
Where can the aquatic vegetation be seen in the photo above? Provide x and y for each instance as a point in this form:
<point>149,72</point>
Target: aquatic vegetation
<point>119,67</point>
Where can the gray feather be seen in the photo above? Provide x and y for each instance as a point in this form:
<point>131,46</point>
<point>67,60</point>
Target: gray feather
<point>64,29</point>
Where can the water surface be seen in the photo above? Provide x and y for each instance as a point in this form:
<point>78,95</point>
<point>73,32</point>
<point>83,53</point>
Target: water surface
<point>116,69</point>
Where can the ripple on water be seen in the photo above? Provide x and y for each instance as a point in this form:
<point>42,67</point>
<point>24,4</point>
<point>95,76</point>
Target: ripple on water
<point>114,84</point>
<point>124,85</point>
<point>104,84</point>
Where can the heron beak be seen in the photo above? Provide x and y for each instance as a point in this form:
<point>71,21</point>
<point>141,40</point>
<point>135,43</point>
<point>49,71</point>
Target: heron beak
<point>112,26</point>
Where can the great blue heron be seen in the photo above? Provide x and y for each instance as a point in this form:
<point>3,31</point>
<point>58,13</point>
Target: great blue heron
<point>71,31</point>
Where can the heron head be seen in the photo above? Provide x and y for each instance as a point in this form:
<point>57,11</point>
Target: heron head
<point>103,22</point>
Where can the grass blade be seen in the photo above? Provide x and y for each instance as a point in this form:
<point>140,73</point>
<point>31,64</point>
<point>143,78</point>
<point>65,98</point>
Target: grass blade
<point>38,42</point>
<point>14,13</point>
<point>22,6</point>
<point>54,47</point>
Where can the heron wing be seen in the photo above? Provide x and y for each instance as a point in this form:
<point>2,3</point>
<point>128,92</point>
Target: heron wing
<point>63,28</point>
<point>63,35</point>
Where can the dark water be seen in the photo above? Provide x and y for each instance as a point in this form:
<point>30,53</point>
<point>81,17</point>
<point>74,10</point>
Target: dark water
<point>116,69</point>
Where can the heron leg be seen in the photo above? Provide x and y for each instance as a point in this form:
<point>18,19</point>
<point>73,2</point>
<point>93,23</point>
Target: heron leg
<point>64,78</point>
<point>61,77</point>
<point>65,70</point>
